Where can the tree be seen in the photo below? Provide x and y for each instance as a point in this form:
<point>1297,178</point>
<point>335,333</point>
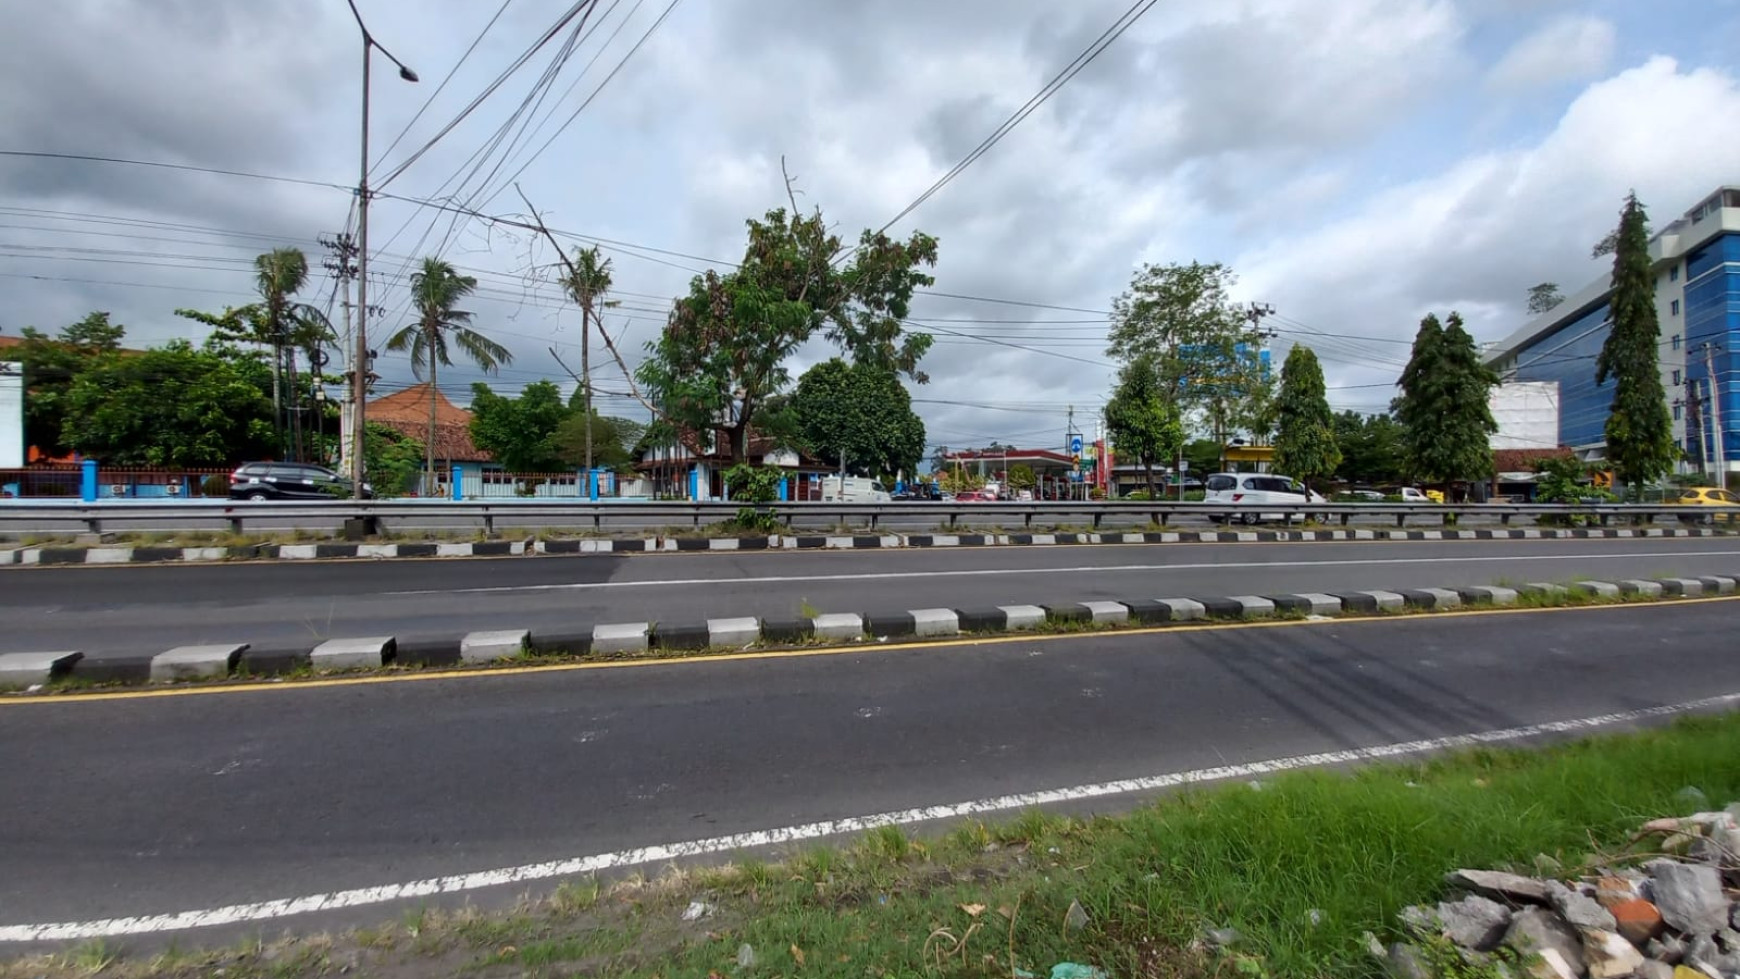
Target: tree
<point>1444,408</point>
<point>1544,297</point>
<point>278,323</point>
<point>587,282</point>
<point>1021,477</point>
<point>436,291</point>
<point>859,417</point>
<point>391,459</point>
<point>1141,420</point>
<point>722,354</point>
<point>1372,449</point>
<point>1639,432</point>
<point>1203,455</point>
<point>613,441</point>
<point>520,432</point>
<point>1305,445</point>
<point>1205,349</point>
<point>172,406</point>
<point>51,365</point>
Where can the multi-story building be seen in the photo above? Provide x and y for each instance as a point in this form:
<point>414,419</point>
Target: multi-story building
<point>1696,260</point>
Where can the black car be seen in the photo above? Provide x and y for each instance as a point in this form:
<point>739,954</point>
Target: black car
<point>290,481</point>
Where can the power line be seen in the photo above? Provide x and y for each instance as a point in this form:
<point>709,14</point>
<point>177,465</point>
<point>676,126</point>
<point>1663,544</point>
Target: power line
<point>175,166</point>
<point>439,88</point>
<point>1039,98</point>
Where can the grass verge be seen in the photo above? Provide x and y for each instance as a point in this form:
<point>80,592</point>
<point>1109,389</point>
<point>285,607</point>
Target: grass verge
<point>1299,866</point>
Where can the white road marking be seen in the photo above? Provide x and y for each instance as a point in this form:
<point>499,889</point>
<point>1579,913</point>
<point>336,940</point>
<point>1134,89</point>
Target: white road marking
<point>576,866</point>
<point>1091,569</point>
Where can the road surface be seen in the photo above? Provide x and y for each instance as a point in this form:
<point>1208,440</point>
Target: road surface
<point>146,609</point>
<point>144,806</point>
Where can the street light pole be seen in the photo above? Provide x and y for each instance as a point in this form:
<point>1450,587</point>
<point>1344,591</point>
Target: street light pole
<point>360,358</point>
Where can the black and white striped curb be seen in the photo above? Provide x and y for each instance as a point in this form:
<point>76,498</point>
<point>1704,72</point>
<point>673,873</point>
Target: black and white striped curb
<point>633,639</point>
<point>788,542</point>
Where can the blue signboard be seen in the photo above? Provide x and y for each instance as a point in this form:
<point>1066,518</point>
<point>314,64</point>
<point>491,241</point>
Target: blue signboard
<point>1075,446</point>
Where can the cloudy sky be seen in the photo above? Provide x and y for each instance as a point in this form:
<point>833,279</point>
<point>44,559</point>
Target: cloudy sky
<point>1358,163</point>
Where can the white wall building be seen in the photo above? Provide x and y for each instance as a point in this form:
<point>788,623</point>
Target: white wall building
<point>1527,413</point>
<point>11,415</point>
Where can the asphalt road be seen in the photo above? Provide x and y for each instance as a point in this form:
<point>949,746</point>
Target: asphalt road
<point>146,609</point>
<point>156,805</point>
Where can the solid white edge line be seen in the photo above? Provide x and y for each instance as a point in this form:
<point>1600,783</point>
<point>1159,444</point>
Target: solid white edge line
<point>1091,569</point>
<point>360,897</point>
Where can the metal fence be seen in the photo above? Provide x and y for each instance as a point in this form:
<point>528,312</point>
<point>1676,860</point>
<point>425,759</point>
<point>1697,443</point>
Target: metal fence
<point>47,516</point>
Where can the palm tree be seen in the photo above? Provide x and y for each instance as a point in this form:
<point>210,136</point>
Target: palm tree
<point>436,291</point>
<point>285,325</point>
<point>588,280</point>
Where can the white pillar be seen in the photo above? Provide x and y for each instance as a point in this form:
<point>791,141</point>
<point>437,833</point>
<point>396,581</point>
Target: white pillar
<point>11,416</point>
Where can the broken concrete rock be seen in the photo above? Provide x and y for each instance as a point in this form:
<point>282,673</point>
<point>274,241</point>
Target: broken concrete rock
<point>1514,888</point>
<point>1609,956</point>
<point>1406,962</point>
<point>1637,920</point>
<point>1581,911</point>
<point>1689,896</point>
<point>1537,931</point>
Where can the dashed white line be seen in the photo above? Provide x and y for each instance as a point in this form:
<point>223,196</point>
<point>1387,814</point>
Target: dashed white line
<point>364,896</point>
<point>1087,569</point>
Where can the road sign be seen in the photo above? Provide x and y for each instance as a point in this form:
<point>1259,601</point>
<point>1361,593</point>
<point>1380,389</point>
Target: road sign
<point>1075,446</point>
<point>1184,465</point>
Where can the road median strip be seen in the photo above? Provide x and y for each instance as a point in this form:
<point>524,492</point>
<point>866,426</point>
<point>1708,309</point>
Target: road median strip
<point>67,670</point>
<point>555,546</point>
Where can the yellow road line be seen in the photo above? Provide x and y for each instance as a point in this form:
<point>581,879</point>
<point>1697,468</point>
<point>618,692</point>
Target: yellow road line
<point>280,686</point>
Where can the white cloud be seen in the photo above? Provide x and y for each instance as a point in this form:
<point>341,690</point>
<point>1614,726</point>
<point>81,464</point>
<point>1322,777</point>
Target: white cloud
<point>1477,234</point>
<point>1565,49</point>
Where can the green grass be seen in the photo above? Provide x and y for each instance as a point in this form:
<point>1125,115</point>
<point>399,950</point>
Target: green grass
<point>1301,865</point>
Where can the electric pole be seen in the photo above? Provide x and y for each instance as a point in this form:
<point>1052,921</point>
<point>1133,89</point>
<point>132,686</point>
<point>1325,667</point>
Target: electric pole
<point>341,264</point>
<point>1714,389</point>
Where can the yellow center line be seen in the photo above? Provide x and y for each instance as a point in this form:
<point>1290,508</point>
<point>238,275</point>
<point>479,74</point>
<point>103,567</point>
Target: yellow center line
<point>279,686</point>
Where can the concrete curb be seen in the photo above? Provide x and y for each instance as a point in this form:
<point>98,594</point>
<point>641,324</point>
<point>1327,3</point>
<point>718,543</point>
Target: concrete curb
<point>31,669</point>
<point>671,545</point>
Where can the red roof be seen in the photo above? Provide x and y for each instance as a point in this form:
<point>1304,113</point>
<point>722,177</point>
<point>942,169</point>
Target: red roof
<point>407,412</point>
<point>1013,455</point>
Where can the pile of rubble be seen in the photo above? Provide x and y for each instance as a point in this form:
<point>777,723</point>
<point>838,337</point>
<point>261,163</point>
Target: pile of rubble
<point>1672,913</point>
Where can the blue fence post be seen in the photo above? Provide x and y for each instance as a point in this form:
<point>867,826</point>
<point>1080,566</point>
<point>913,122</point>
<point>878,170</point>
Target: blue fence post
<point>88,481</point>
<point>695,483</point>
<point>592,485</point>
<point>784,489</point>
<point>458,478</point>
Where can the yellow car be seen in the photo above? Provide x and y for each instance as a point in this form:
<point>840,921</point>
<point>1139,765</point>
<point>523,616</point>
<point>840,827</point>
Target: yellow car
<point>1708,496</point>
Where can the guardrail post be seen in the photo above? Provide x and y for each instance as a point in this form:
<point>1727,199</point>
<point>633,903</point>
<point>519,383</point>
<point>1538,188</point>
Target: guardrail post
<point>489,523</point>
<point>88,481</point>
<point>1504,519</point>
<point>1097,516</point>
<point>1402,519</point>
<point>235,522</point>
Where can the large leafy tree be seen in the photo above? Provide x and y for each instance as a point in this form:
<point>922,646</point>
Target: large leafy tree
<point>51,365</point>
<point>172,406</point>
<point>1372,449</point>
<point>520,432</point>
<point>1305,445</point>
<point>722,356</point>
<point>1639,432</point>
<point>1142,420</point>
<point>613,440</point>
<point>437,289</point>
<point>861,413</point>
<point>1443,407</point>
<point>281,324</point>
<point>1204,348</point>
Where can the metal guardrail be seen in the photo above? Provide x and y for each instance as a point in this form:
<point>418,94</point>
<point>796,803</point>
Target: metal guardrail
<point>29,515</point>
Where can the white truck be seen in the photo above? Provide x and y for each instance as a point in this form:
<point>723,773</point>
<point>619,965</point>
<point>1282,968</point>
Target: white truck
<point>853,489</point>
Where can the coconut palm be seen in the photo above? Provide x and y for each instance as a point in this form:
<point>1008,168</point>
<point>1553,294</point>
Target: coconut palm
<point>284,324</point>
<point>587,282</point>
<point>436,291</point>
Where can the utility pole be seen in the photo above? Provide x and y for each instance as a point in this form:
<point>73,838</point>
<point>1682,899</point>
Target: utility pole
<point>359,380</point>
<point>341,264</point>
<point>1694,409</point>
<point>1715,391</point>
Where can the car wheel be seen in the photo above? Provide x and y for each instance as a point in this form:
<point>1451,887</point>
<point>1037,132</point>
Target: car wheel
<point>257,495</point>
<point>1250,519</point>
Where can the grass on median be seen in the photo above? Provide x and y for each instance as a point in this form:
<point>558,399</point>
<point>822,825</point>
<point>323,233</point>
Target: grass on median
<point>1300,865</point>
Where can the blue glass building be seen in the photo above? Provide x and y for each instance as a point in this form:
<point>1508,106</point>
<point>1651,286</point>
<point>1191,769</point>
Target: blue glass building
<point>1697,266</point>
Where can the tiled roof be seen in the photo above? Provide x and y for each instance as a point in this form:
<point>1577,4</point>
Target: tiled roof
<point>407,412</point>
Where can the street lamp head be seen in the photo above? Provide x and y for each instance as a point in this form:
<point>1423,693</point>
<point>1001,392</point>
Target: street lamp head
<point>407,74</point>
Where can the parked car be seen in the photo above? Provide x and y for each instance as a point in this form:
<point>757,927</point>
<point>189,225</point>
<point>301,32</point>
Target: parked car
<point>1288,496</point>
<point>1368,495</point>
<point>1708,496</point>
<point>1413,494</point>
<point>291,481</point>
<point>975,496</point>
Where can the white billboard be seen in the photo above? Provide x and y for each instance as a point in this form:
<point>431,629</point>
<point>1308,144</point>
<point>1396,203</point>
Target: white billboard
<point>11,415</point>
<point>1527,413</point>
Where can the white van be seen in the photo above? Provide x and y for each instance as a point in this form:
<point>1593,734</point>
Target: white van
<point>1258,489</point>
<point>853,489</point>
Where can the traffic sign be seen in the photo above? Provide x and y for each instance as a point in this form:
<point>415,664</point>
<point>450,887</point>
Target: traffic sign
<point>1075,446</point>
